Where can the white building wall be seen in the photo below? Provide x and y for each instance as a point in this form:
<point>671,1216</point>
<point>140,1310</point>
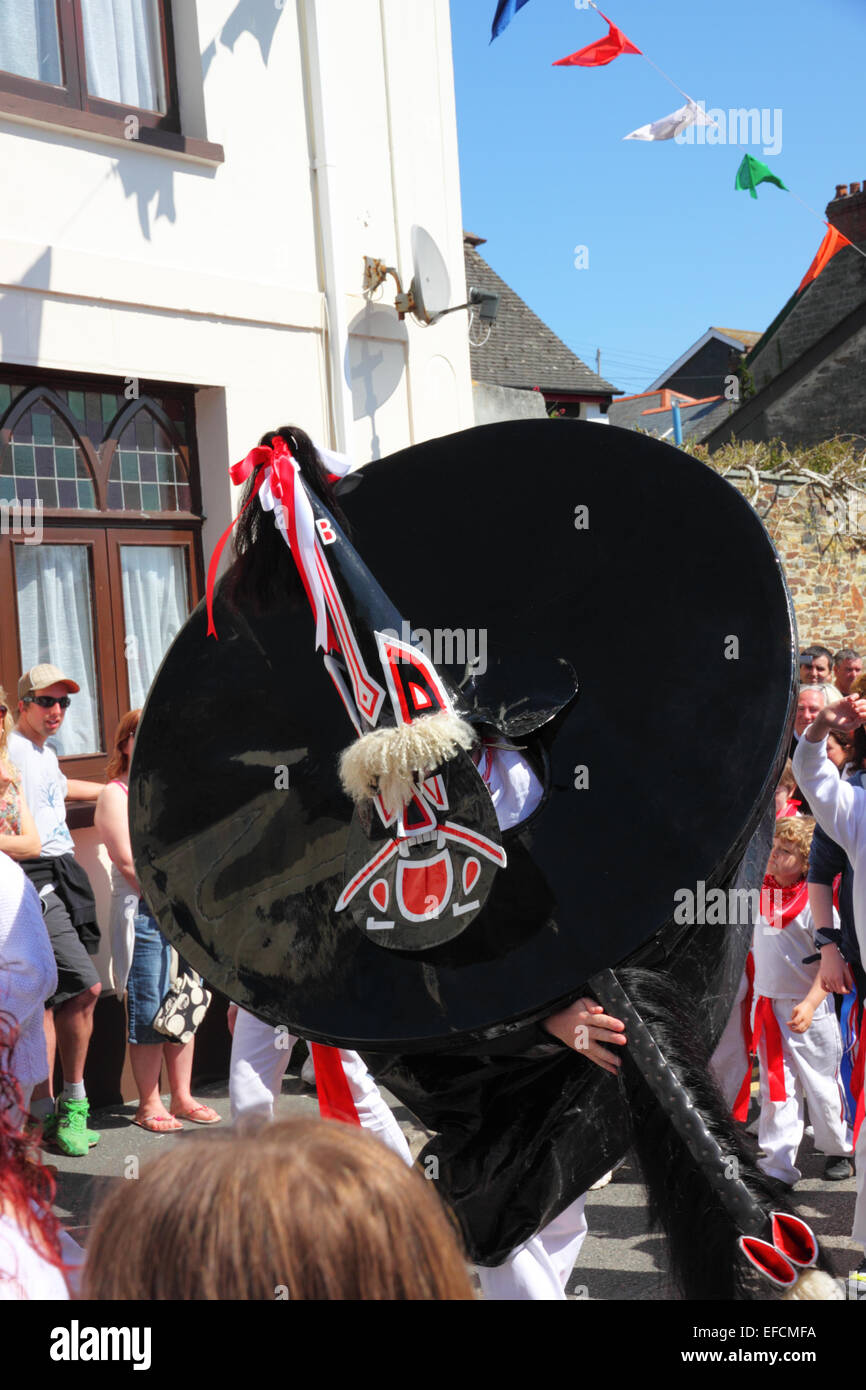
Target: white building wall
<point>123,260</point>
<point>120,259</point>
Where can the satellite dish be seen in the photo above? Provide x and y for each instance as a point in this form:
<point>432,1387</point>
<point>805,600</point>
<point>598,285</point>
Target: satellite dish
<point>431,285</point>
<point>428,298</point>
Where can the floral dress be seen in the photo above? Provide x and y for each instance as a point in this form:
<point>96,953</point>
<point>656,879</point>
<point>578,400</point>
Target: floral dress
<point>10,798</point>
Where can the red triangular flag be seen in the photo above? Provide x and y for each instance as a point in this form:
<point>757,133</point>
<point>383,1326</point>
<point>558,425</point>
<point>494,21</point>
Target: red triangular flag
<point>598,55</point>
<point>833,242</point>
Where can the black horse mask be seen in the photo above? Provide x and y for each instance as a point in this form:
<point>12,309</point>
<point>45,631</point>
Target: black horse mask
<point>600,601</point>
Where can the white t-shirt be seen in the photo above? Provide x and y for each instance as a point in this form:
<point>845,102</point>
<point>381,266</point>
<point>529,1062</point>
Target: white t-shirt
<point>28,972</point>
<point>839,807</point>
<point>23,1272</point>
<point>44,789</point>
<point>779,953</point>
<point>513,786</point>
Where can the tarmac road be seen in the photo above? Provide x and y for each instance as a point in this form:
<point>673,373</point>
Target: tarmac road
<point>621,1259</point>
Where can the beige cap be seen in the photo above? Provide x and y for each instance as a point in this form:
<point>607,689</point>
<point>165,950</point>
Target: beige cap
<point>40,677</point>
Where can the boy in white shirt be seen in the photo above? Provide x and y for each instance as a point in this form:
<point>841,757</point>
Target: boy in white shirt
<point>800,1047</point>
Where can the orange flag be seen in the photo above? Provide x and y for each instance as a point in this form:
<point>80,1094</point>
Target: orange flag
<point>833,242</point>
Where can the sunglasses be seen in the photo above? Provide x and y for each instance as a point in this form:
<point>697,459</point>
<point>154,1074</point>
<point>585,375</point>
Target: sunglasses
<point>48,701</point>
<point>3,711</point>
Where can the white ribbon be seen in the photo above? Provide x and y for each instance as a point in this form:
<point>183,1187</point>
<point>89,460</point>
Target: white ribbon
<point>305,526</point>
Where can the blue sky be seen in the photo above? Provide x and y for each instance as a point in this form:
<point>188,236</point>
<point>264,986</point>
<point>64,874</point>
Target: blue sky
<point>672,248</point>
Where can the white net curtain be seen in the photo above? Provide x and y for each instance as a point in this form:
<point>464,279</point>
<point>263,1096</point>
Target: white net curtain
<point>29,41</point>
<point>123,52</point>
<point>155,607</point>
<point>56,626</point>
<point>122,48</point>
<point>55,617</point>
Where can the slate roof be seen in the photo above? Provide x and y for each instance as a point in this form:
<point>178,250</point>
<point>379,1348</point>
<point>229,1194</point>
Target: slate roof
<point>809,327</point>
<point>745,339</point>
<point>521,350</point>
<point>698,418</point>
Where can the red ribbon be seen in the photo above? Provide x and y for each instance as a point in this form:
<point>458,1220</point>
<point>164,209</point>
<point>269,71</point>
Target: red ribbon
<point>741,1104</point>
<point>332,1088</point>
<point>767,1024</point>
<point>279,460</point>
<point>858,1082</point>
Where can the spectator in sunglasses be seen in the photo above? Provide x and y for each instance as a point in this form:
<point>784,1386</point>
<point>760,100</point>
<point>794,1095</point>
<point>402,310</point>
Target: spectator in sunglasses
<point>67,902</point>
<point>19,837</point>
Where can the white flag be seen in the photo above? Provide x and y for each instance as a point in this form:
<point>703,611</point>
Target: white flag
<point>670,126</point>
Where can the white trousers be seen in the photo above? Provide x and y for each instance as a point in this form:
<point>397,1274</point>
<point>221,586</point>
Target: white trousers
<point>260,1056</point>
<point>811,1063</point>
<point>540,1269</point>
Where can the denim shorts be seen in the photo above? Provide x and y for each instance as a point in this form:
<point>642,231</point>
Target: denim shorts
<point>149,978</point>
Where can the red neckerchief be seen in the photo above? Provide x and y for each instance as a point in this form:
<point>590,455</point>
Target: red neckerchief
<point>792,807</point>
<point>793,900</point>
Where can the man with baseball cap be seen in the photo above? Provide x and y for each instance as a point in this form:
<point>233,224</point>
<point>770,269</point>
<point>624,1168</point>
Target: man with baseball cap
<point>68,904</point>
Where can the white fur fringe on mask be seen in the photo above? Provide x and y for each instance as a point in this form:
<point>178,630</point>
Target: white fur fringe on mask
<point>392,761</point>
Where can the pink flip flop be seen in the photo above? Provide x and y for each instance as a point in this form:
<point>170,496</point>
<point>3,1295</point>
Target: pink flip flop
<point>198,1115</point>
<point>158,1124</point>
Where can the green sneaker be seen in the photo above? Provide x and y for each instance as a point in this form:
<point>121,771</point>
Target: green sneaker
<point>67,1128</point>
<point>49,1124</point>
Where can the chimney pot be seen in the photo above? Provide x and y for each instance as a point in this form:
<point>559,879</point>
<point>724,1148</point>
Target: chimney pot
<point>847,213</point>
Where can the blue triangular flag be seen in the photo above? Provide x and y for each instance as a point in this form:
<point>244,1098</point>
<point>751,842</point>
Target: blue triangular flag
<point>505,12</point>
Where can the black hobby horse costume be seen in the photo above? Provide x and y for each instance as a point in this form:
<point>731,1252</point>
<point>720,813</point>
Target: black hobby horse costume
<point>367,898</point>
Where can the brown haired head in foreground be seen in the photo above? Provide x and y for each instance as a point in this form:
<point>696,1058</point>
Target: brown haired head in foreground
<point>305,1209</point>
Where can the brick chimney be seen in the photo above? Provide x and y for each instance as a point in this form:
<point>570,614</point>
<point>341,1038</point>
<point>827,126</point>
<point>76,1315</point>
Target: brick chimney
<point>847,211</point>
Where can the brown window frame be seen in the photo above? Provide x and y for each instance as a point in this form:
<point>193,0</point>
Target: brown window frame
<point>73,106</point>
<point>74,93</point>
<point>104,532</point>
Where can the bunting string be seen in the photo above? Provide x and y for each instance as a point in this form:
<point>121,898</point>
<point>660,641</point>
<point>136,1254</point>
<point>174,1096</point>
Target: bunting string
<point>649,60</point>
<point>751,171</point>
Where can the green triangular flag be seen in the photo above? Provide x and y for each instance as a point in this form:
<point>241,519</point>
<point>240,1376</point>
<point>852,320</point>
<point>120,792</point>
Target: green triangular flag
<point>752,172</point>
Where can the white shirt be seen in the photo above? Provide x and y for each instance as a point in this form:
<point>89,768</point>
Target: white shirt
<point>28,973</point>
<point>839,807</point>
<point>44,789</point>
<point>23,1272</point>
<point>779,953</point>
<point>513,786</point>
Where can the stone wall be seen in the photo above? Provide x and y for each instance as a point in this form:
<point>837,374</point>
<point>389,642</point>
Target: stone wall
<point>821,541</point>
<point>495,403</point>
